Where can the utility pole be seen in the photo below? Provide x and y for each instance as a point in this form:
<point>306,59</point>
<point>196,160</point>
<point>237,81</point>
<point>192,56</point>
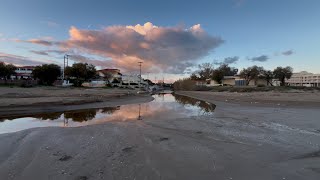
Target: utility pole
<point>148,80</point>
<point>67,56</point>
<point>65,62</point>
<point>140,64</point>
<point>64,66</point>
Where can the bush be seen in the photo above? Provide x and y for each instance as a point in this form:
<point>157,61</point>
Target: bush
<point>25,84</point>
<point>184,85</point>
<point>77,82</point>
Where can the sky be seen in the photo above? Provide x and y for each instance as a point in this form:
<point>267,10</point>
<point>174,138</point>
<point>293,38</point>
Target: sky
<point>170,37</point>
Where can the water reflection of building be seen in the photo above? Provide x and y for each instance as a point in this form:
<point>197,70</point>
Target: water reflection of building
<point>75,115</point>
<point>88,114</point>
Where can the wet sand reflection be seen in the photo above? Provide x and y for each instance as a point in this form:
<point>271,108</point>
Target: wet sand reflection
<point>164,105</point>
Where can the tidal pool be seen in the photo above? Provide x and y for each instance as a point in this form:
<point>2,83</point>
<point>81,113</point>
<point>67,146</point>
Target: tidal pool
<point>163,105</point>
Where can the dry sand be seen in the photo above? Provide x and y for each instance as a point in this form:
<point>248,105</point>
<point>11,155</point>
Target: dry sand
<point>288,99</point>
<point>240,141</point>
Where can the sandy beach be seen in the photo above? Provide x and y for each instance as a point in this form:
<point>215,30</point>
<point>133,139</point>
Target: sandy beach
<point>298,99</point>
<point>275,138</point>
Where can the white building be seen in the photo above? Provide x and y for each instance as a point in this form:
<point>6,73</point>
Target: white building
<point>110,75</point>
<point>133,81</point>
<point>104,77</point>
<point>23,72</point>
<point>304,79</point>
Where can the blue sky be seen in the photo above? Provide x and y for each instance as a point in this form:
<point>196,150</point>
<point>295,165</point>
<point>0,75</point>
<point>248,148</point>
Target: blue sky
<point>267,33</point>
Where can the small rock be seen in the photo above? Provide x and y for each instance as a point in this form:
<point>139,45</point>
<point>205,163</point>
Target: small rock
<point>81,178</point>
<point>164,139</point>
<point>127,149</point>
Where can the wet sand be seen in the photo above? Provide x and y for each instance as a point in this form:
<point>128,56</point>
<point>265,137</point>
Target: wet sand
<point>17,102</point>
<point>239,141</point>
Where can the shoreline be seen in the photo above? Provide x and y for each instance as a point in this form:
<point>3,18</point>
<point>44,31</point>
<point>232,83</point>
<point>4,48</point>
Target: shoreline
<point>30,103</point>
<point>17,112</point>
<point>258,99</point>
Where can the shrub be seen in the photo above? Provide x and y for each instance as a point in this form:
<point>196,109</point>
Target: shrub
<point>184,85</point>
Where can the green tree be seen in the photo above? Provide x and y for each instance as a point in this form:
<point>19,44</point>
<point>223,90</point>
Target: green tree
<point>194,76</point>
<point>80,72</point>
<point>267,75</point>
<point>223,70</point>
<point>218,75</point>
<point>227,70</point>
<point>205,71</point>
<point>6,70</point>
<point>47,73</point>
<point>283,73</point>
<point>251,73</point>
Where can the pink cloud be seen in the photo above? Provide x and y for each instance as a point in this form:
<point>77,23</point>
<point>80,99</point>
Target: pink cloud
<point>45,41</point>
<point>161,49</point>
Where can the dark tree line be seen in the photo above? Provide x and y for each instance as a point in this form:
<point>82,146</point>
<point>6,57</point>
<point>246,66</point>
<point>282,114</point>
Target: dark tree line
<point>256,72</point>
<point>6,70</point>
<point>207,71</point>
<point>47,74</point>
<point>80,72</point>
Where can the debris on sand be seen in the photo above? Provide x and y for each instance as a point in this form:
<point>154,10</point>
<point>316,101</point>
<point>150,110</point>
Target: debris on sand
<point>65,158</point>
<point>163,139</point>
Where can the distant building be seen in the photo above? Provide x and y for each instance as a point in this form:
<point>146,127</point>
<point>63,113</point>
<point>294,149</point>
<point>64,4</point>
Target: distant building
<point>238,81</point>
<point>23,72</point>
<point>202,82</point>
<point>104,77</point>
<point>133,81</point>
<point>111,75</point>
<point>304,79</point>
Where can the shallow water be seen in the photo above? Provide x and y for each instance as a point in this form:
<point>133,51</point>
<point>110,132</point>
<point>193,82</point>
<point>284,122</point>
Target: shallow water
<point>163,105</point>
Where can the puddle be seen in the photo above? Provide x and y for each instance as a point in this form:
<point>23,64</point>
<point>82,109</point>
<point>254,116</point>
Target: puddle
<point>169,106</point>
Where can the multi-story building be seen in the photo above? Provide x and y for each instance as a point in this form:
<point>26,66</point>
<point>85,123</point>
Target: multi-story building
<point>133,81</point>
<point>23,72</point>
<point>304,79</point>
